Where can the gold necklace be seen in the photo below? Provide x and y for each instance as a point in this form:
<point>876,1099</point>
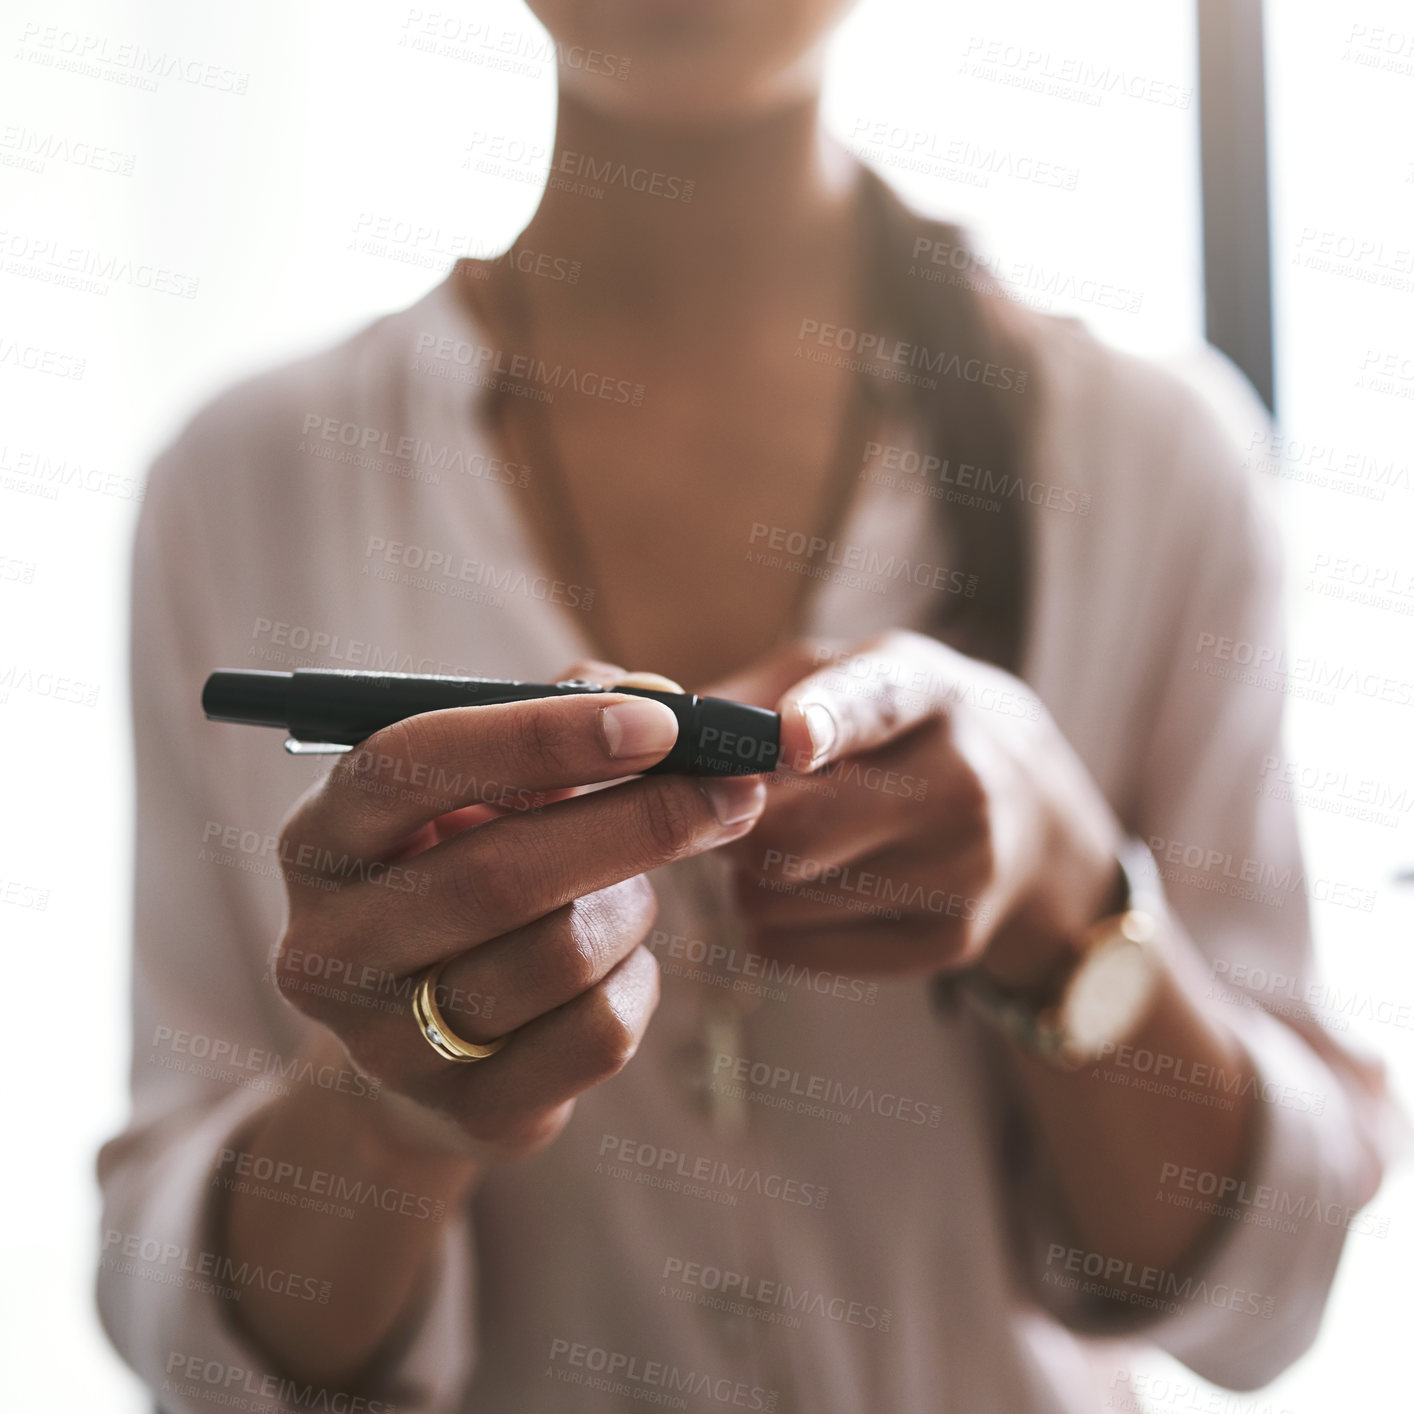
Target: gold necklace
<point>558,521</point>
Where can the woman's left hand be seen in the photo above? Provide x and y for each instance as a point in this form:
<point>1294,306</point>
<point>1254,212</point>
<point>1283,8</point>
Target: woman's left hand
<point>929,816</point>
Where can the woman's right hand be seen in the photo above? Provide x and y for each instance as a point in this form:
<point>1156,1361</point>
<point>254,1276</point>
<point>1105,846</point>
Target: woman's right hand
<point>434,834</point>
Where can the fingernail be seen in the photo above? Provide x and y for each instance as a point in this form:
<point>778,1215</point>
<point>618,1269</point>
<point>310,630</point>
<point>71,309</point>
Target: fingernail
<point>639,727</point>
<point>822,729</point>
<point>734,798</point>
<point>654,680</point>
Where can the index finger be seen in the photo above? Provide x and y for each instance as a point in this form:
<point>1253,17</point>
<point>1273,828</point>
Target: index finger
<point>507,755</point>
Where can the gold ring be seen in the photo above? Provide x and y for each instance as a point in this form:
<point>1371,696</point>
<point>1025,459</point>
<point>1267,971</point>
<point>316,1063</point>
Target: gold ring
<point>433,1025</point>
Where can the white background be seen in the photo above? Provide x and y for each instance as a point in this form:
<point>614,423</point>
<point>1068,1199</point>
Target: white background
<point>261,197</point>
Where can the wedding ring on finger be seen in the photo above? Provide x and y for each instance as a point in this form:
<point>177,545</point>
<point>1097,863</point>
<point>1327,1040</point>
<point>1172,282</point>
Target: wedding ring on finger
<point>433,1024</point>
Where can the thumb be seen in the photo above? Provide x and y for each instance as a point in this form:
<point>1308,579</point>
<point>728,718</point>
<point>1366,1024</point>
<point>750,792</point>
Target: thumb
<point>861,701</point>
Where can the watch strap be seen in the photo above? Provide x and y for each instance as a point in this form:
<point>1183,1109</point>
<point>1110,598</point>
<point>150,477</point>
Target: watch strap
<point>1034,1022</point>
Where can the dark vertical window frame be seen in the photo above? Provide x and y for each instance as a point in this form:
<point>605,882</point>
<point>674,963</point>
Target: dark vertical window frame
<point>1237,262</point>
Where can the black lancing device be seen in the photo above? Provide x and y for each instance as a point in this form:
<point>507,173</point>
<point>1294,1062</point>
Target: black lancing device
<point>333,709</point>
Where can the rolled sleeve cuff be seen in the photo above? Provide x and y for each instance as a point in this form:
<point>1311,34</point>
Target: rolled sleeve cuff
<point>1256,1300</point>
<point>165,1296</point>
<point>1250,1301</point>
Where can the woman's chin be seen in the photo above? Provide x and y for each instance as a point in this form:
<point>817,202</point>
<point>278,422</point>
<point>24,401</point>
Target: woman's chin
<point>683,99</point>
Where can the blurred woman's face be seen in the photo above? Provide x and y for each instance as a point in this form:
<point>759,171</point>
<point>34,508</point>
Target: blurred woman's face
<point>689,63</point>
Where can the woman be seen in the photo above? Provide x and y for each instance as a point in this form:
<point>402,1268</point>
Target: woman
<point>789,1125</point>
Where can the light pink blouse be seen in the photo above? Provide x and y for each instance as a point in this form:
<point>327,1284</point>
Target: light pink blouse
<point>845,1235</point>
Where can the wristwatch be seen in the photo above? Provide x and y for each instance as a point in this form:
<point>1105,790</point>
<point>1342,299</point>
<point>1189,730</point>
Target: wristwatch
<point>1102,996</point>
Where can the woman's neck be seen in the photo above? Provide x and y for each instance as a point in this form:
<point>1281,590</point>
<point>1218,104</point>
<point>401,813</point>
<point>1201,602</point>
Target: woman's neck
<point>693,226</point>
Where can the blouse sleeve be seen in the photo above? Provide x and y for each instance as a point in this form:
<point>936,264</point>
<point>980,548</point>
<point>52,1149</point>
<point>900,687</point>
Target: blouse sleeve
<point>1231,870</point>
<point>210,1037</point>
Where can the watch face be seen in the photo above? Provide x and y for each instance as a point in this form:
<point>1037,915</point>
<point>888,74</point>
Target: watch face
<point>1107,995</point>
